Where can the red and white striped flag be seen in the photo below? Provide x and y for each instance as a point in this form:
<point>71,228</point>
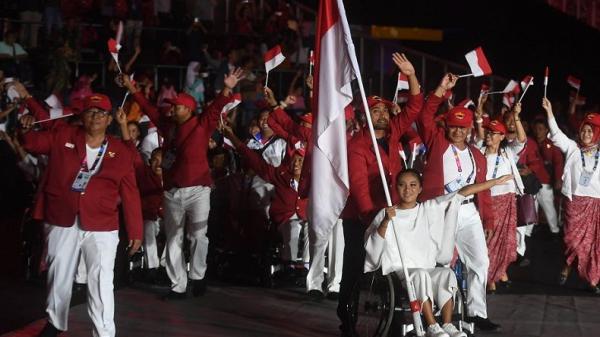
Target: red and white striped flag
<point>114,45</point>
<point>546,75</point>
<point>508,99</point>
<point>273,58</point>
<point>512,87</point>
<point>402,82</point>
<point>478,62</point>
<point>235,101</point>
<point>527,81</point>
<point>332,93</point>
<point>574,82</point>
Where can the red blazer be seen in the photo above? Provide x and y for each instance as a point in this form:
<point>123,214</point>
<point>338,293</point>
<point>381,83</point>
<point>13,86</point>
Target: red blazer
<point>190,141</point>
<point>433,174</point>
<point>531,157</point>
<point>553,159</point>
<point>367,196</point>
<point>97,206</point>
<point>286,201</point>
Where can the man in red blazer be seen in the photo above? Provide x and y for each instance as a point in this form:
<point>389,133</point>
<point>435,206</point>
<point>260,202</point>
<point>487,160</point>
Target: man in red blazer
<point>451,163</point>
<point>89,173</point>
<point>187,180</point>
<point>366,190</point>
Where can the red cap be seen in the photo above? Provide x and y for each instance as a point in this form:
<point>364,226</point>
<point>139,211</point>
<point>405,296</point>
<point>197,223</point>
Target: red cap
<point>183,99</point>
<point>459,116</point>
<point>307,118</point>
<point>374,100</point>
<point>99,101</point>
<point>300,151</point>
<point>496,126</point>
<point>592,119</point>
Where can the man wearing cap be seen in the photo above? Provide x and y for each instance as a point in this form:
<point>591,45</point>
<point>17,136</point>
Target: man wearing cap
<point>367,195</point>
<point>187,180</point>
<point>88,174</point>
<point>452,163</point>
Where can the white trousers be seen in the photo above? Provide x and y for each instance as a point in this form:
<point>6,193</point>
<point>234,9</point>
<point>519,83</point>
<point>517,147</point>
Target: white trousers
<point>522,232</point>
<point>98,249</point>
<point>188,205</point>
<point>151,230</point>
<point>436,284</point>
<point>471,246</point>
<point>545,199</point>
<point>335,253</point>
<point>81,272</point>
<point>291,231</point>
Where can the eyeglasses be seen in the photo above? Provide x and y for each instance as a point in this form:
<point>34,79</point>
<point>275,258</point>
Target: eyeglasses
<point>96,112</point>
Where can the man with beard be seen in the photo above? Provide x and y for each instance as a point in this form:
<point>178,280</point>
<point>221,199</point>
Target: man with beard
<point>451,163</point>
<point>366,190</point>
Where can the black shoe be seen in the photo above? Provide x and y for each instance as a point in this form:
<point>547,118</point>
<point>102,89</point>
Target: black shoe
<point>174,296</point>
<point>484,324</point>
<point>198,287</point>
<point>504,284</point>
<point>595,290</point>
<point>315,295</point>
<point>49,331</point>
<point>79,287</point>
<point>333,295</point>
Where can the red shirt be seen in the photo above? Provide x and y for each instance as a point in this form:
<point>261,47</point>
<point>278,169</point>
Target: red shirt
<point>189,141</point>
<point>435,140</point>
<point>97,206</point>
<point>286,201</point>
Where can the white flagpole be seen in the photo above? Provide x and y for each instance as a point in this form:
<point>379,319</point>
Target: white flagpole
<point>51,119</point>
<point>465,75</point>
<point>267,80</point>
<point>493,92</point>
<point>352,54</point>
<point>525,90</point>
<point>395,100</point>
<point>124,100</point>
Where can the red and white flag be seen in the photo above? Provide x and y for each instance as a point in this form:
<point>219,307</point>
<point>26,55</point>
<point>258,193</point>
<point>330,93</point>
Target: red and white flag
<point>546,75</point>
<point>512,87</point>
<point>466,103</point>
<point>574,82</point>
<point>332,93</point>
<point>527,81</point>
<point>508,100</point>
<point>478,62</point>
<point>273,58</point>
<point>402,82</point>
<point>235,101</point>
<point>114,45</point>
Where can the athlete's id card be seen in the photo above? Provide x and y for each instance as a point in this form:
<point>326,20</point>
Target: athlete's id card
<point>168,159</point>
<point>586,178</point>
<point>81,181</point>
<point>453,186</point>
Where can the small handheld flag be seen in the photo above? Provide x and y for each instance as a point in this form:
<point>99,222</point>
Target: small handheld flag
<point>526,83</point>
<point>574,82</point>
<point>546,81</point>
<point>273,57</point>
<point>478,63</point>
<point>402,84</point>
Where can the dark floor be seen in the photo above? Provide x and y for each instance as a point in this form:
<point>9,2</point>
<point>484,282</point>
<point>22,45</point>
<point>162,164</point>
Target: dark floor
<point>533,306</point>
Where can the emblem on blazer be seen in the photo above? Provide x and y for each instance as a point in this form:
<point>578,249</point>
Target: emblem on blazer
<point>111,154</point>
<point>70,145</point>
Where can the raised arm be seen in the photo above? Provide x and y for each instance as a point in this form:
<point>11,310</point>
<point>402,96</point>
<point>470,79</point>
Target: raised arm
<point>556,135</point>
<point>521,135</point>
<point>479,117</point>
<point>415,101</point>
<point>211,117</point>
<point>147,108</point>
<point>426,122</point>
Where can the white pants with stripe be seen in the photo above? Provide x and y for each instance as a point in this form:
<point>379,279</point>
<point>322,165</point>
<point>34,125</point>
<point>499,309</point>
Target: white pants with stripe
<point>545,199</point>
<point>189,207</point>
<point>335,251</point>
<point>471,246</point>
<point>151,230</point>
<point>98,249</point>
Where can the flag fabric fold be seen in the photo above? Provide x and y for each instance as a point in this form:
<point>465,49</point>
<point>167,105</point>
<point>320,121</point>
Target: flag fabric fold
<point>478,62</point>
<point>332,94</point>
<point>527,81</point>
<point>273,57</point>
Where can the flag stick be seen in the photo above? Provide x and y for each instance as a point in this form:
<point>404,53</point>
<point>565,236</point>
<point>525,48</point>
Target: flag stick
<point>465,75</point>
<point>267,80</point>
<point>415,304</point>
<point>395,100</point>
<point>493,92</point>
<point>124,100</point>
<point>524,91</point>
<point>51,119</point>
<point>545,89</point>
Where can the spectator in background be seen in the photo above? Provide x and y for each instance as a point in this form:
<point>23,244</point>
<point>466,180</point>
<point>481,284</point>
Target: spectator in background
<point>170,54</point>
<point>58,79</point>
<point>167,91</point>
<point>52,16</point>
<point>195,40</point>
<point>32,21</point>
<point>245,15</point>
<point>83,87</point>
<point>204,10</point>
<point>194,84</point>
<point>134,23</point>
<point>12,54</point>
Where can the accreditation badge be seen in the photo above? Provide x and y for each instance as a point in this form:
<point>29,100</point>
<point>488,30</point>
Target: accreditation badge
<point>81,181</point>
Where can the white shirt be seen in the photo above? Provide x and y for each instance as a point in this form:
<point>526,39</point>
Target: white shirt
<point>90,155</point>
<point>149,143</point>
<point>426,233</point>
<point>467,164</point>
<point>573,165</point>
<point>506,165</point>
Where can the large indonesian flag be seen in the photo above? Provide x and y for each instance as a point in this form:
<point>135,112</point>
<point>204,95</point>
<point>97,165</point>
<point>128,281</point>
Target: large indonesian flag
<point>333,74</point>
<point>478,62</point>
<point>273,58</point>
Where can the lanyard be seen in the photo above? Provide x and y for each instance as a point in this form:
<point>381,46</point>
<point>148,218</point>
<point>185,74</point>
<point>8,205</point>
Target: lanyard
<point>99,156</point>
<point>595,160</point>
<point>459,166</point>
<point>496,166</point>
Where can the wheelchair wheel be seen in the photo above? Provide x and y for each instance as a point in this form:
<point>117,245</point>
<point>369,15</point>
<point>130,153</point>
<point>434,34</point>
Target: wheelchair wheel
<point>376,305</point>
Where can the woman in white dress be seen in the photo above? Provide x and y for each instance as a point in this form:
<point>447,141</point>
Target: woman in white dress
<point>426,231</point>
<point>581,187</point>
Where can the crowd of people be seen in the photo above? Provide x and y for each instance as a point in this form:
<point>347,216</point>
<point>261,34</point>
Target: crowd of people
<point>229,161</point>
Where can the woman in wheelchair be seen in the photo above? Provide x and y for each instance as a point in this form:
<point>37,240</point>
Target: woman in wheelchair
<point>426,232</point>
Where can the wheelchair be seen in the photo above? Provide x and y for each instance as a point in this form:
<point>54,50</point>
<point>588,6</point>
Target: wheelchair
<point>383,307</point>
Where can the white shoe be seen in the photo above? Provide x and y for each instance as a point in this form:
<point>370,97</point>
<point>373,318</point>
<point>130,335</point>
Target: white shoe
<point>435,330</point>
<point>452,331</point>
